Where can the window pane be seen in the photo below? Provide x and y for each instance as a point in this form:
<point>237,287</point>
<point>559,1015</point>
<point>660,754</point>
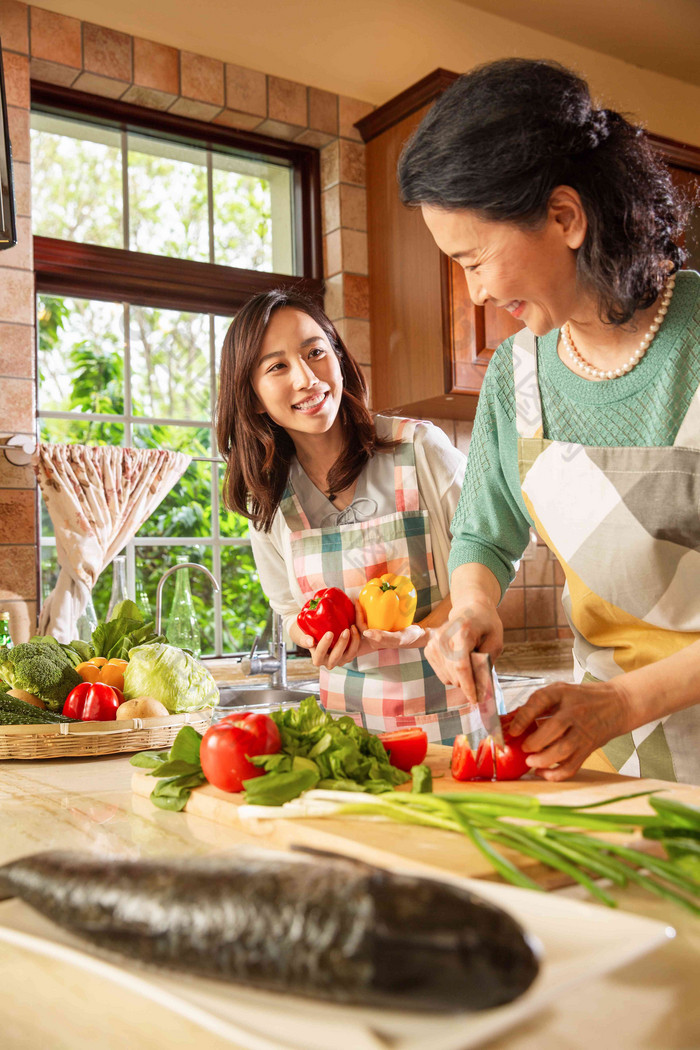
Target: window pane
<point>230,524</point>
<point>194,441</point>
<point>168,199</point>
<point>244,607</point>
<point>221,327</point>
<point>252,214</point>
<point>170,363</point>
<point>78,432</point>
<point>80,355</point>
<point>152,562</point>
<point>186,510</point>
<point>70,161</point>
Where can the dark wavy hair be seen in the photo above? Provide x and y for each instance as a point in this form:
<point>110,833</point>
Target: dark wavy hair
<point>257,451</point>
<point>503,136</point>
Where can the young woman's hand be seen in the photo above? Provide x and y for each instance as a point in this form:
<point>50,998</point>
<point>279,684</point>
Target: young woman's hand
<point>324,653</point>
<point>409,638</point>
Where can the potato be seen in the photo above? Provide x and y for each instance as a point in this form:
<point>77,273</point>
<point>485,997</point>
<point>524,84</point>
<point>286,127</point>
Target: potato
<point>29,698</point>
<point>142,707</point>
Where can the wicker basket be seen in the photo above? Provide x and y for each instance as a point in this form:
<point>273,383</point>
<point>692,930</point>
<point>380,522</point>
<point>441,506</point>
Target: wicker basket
<point>83,739</point>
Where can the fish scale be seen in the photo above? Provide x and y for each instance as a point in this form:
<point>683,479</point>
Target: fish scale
<point>316,925</point>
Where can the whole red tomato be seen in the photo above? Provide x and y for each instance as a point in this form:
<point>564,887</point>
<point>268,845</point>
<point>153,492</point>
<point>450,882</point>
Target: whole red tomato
<point>225,746</point>
<point>510,760</point>
<point>93,702</point>
<point>406,747</point>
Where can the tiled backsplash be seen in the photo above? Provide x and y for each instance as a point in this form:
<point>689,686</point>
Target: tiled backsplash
<point>531,609</point>
<point>63,50</point>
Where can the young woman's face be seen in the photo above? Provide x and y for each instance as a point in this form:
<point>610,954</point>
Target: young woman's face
<point>297,376</point>
<point>529,273</point>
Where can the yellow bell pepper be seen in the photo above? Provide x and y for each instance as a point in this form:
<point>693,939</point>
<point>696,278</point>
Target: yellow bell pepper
<point>388,602</point>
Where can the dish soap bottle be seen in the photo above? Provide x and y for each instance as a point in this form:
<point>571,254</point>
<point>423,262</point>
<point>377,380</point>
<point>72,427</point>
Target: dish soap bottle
<point>183,628</point>
<point>118,584</point>
<point>5,636</point>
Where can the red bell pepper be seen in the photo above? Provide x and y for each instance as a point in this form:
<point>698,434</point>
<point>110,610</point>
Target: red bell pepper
<point>330,609</point>
<point>93,702</point>
<point>490,761</point>
<point>226,747</point>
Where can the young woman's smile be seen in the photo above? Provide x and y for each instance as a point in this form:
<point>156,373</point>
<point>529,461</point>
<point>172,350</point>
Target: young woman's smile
<point>297,377</point>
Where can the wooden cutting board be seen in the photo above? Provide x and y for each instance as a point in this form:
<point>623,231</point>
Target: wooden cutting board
<point>401,846</point>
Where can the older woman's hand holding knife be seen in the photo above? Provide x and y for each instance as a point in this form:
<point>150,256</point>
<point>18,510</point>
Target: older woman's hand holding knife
<point>473,623</point>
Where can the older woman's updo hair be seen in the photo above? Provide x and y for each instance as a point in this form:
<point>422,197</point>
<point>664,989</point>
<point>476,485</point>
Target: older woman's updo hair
<point>502,137</point>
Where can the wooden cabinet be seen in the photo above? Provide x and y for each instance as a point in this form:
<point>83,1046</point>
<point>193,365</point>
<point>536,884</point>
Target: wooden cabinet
<point>430,343</point>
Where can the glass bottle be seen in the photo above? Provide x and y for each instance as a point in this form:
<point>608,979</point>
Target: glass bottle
<point>5,636</point>
<point>119,592</point>
<point>87,621</point>
<point>183,628</point>
<point>142,600</point>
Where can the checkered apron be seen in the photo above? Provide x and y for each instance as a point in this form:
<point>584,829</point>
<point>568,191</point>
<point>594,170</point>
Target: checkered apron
<point>392,688</point>
<point>624,525</point>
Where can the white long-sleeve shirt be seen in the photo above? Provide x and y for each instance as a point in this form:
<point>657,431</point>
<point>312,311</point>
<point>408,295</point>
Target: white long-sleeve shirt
<point>440,472</point>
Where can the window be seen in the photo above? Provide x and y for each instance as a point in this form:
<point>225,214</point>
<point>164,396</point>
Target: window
<point>150,232</point>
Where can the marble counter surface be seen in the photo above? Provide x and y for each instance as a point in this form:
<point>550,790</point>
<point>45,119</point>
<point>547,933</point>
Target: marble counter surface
<point>651,1004</point>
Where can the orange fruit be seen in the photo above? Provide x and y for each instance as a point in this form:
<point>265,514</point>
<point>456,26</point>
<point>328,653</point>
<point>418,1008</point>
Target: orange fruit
<point>112,675</point>
<point>88,671</point>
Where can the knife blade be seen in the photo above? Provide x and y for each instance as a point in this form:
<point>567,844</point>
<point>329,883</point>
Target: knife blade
<point>488,695</point>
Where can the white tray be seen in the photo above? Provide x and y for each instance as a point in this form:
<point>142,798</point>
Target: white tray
<point>580,941</point>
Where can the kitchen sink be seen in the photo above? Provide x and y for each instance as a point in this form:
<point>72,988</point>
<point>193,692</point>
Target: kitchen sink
<point>265,697</point>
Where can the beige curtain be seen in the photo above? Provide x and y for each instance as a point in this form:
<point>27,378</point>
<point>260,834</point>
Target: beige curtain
<point>98,497</point>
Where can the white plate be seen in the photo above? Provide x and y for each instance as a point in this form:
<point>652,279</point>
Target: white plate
<point>580,941</point>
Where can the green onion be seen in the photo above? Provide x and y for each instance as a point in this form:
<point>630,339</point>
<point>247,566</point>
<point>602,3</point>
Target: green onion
<point>559,838</point>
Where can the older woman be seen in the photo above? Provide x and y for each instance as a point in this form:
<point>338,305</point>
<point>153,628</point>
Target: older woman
<point>588,426</point>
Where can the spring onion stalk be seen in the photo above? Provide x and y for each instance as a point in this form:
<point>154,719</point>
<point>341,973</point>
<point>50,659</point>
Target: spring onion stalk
<point>558,837</point>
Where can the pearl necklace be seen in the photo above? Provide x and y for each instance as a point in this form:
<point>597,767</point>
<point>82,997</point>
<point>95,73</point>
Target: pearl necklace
<point>601,373</point>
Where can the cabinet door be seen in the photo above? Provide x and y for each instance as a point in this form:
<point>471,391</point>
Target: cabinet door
<point>474,331</point>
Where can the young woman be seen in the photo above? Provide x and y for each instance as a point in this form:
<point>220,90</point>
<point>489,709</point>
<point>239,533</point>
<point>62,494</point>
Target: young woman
<point>588,424</point>
<point>336,498</point>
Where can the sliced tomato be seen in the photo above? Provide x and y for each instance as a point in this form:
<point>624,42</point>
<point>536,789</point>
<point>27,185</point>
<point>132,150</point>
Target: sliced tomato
<point>463,760</point>
<point>510,760</point>
<point>407,747</point>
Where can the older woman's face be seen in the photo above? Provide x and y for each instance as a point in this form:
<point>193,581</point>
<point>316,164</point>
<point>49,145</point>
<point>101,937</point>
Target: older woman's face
<point>529,273</point>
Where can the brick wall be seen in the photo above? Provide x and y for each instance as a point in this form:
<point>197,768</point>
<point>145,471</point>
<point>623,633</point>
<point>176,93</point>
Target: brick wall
<point>63,50</point>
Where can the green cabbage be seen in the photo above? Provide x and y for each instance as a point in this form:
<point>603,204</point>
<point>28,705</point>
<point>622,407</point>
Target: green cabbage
<point>170,675</point>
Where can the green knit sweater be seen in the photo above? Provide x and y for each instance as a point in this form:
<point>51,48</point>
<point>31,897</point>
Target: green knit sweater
<point>645,407</point>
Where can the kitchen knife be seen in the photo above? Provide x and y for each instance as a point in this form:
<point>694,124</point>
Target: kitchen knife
<point>488,695</point>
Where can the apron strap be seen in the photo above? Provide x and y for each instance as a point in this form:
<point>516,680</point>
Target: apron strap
<point>405,474</point>
<point>528,406</point>
<point>293,512</point>
<point>688,435</point>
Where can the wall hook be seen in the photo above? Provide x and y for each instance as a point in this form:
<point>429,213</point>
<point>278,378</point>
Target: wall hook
<point>19,449</point>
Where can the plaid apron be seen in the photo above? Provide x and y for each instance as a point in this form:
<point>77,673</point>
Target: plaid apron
<point>391,688</point>
<point>624,525</point>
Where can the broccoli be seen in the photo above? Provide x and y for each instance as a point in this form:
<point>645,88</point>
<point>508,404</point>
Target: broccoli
<point>40,667</point>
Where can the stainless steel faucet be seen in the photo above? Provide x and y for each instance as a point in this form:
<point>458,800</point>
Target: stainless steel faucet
<point>169,572</point>
<point>276,663</point>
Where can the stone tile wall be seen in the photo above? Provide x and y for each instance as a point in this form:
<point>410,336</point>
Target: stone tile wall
<point>66,51</point>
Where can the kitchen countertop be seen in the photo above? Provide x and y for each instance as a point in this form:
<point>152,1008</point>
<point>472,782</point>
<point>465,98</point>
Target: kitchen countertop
<point>549,660</point>
<point>651,1004</point>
